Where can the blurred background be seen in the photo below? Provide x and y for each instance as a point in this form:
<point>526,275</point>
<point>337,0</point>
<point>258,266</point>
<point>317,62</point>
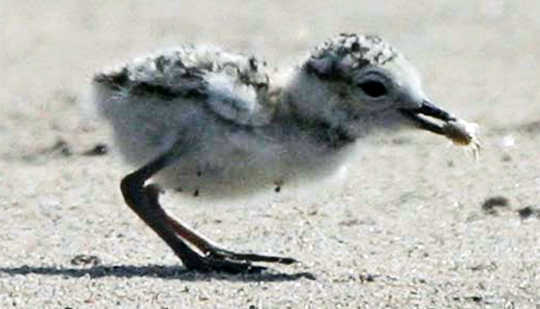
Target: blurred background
<point>481,55</point>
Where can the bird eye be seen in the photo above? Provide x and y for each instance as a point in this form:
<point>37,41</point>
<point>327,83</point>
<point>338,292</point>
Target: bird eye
<point>373,88</point>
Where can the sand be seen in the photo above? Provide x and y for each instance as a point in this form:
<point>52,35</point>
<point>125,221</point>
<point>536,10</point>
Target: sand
<point>416,222</point>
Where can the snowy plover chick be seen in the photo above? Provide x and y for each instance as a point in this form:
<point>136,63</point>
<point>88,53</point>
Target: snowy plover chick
<point>220,123</point>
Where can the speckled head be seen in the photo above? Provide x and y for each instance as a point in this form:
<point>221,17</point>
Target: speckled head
<point>370,65</point>
<point>349,52</point>
<point>371,80</point>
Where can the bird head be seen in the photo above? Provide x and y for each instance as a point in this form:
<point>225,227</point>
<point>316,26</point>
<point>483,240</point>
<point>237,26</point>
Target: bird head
<point>364,83</point>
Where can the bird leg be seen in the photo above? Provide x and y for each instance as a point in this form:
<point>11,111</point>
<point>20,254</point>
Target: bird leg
<point>212,250</point>
<point>143,200</point>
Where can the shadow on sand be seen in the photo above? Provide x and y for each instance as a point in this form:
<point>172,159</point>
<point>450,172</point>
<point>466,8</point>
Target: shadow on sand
<point>152,271</point>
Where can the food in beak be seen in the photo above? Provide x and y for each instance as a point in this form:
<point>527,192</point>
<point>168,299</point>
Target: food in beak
<point>459,131</point>
<point>463,133</point>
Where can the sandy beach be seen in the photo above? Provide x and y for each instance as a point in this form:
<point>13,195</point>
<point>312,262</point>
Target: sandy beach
<point>414,222</point>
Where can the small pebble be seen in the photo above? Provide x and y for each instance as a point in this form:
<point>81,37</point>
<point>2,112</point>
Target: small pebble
<point>528,211</point>
<point>491,203</point>
<point>98,150</point>
<point>62,147</point>
<point>84,259</point>
<point>506,158</point>
<point>366,278</point>
<point>507,142</point>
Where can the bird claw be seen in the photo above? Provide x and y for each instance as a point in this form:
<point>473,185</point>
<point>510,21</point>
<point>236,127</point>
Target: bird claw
<point>222,254</point>
<point>209,264</point>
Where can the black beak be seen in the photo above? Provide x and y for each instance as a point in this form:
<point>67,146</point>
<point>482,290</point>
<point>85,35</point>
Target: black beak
<point>430,110</point>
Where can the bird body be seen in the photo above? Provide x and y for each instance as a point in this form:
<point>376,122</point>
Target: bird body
<point>217,123</point>
<point>238,126</point>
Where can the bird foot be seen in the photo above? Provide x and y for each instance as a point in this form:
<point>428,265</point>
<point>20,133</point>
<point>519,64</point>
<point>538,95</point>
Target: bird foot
<point>222,254</point>
<point>209,264</point>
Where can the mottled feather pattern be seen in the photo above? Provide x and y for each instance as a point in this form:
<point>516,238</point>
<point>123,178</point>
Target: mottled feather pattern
<point>347,53</point>
<point>180,72</point>
<point>364,49</point>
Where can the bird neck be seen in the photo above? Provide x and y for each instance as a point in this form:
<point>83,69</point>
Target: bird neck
<point>303,101</point>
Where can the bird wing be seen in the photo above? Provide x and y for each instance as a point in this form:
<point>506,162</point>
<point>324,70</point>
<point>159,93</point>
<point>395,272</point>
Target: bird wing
<point>237,101</point>
<point>230,85</point>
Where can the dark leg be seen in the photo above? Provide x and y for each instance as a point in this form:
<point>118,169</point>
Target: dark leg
<point>212,250</point>
<point>143,200</point>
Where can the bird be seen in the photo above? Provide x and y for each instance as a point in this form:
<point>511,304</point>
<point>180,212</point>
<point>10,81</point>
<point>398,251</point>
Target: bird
<point>207,121</point>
